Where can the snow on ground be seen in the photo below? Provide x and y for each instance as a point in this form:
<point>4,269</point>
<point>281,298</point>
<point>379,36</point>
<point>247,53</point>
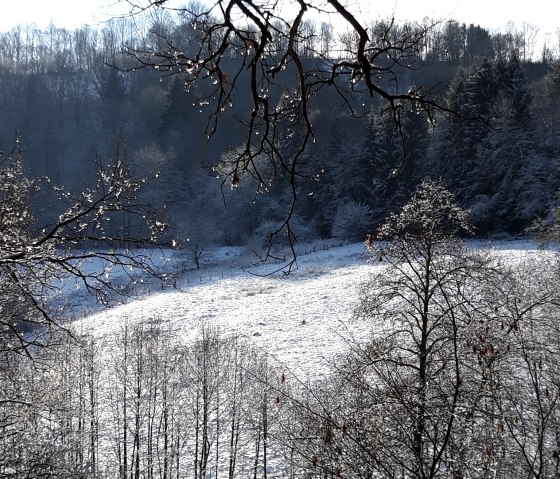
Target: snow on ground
<point>303,320</point>
<point>300,319</point>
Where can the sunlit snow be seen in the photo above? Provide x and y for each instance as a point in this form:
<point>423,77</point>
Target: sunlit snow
<point>303,320</point>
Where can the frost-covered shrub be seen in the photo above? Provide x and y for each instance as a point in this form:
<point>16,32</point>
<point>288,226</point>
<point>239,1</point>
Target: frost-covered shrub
<point>352,221</point>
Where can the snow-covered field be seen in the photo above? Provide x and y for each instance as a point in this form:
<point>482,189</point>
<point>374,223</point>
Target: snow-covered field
<point>140,378</point>
<point>303,320</point>
<point>300,319</point>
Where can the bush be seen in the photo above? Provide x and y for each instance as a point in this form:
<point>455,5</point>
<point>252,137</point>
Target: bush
<point>352,221</point>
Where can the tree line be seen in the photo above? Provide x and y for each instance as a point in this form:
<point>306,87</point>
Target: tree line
<point>28,48</point>
<point>72,97</point>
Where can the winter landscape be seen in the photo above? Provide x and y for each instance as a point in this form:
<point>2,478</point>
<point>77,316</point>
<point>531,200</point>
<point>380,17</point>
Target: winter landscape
<point>283,317</point>
<point>265,240</point>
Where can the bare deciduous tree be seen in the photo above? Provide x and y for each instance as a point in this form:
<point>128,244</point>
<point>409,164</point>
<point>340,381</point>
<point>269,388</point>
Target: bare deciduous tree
<point>90,235</point>
<point>255,49</point>
<point>407,402</point>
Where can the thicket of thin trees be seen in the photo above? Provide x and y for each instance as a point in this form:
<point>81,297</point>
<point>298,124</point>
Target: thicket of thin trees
<point>141,404</point>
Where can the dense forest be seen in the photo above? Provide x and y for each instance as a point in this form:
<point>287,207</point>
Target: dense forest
<point>74,99</point>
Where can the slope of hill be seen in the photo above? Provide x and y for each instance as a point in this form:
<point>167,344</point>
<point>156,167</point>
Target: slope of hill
<point>302,320</point>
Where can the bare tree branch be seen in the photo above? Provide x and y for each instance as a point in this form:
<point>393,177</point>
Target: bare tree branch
<point>95,232</point>
<point>242,45</point>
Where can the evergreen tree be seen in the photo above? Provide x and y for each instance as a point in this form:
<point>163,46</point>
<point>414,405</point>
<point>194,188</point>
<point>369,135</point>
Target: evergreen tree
<point>478,44</point>
<point>111,90</point>
<point>395,158</point>
<point>449,158</point>
<point>509,167</point>
<point>488,153</point>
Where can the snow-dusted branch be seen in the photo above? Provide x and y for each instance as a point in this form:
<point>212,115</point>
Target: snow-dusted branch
<point>101,226</point>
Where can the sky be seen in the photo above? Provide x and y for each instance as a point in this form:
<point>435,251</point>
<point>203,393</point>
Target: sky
<point>491,14</point>
<point>63,13</point>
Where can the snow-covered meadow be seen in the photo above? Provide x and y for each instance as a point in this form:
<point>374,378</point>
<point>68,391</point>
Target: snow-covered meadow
<point>303,320</point>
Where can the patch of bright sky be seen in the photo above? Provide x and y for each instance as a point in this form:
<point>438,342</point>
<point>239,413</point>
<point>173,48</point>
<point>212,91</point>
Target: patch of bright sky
<point>491,14</point>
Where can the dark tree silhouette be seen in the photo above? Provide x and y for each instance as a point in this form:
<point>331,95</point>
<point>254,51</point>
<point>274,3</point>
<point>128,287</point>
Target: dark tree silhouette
<point>244,47</point>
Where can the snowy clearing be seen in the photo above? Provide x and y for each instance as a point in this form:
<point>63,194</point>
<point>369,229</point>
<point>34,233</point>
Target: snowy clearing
<point>303,320</point>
